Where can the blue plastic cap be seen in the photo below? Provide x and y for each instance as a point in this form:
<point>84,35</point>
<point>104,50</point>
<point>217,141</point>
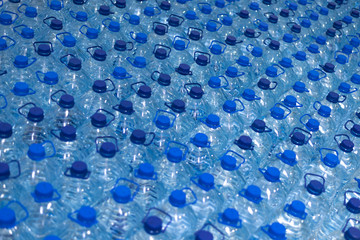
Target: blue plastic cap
<point>146,170</point>
<point>55,5</point>
<point>191,15</point>
<point>164,79</point>
<point>355,13</point>
<point>302,2</point>
<point>21,89</point>
<point>107,150</point>
<point>195,35</point>
<point>355,78</point>
<point>134,20</point>
<point>5,130</point>
<point>120,45</point>
<point>174,155</point>
<point>3,44</point>
<point>228,163</point>
<point>284,12</point>
<point>321,40</point>
<point>68,133</point>
<point>298,138</point>
<point>331,32</point>
<point>79,168</point>
<point>271,71</point>
<point>144,91</point>
<point>99,55</point>
<point>290,101</point>
<point>44,50</point>
<point>214,82</point>
<point>104,10</point>
<point>253,192</point>
<point>267,2</point>
<point>264,83</point>
<point>153,225</point>
<point>196,92</point>
<point>313,48</point>
<point>121,194</point>
<point>313,75</point>
<point>203,235</point>
<point>220,3</point>
<point>74,64</point>
<point>315,187</point>
<point>249,32</point>
<point>174,21</point>
<point>288,38</point>
<point>78,2</point>
<point>274,45</point>
<point>277,230</point>
<point>244,14</point>
<point>160,29</point>
<point>277,113</point>
<point>324,111</point>
<point>331,160</point>
<point>248,94</point>
<point>66,101</point>
<point>230,215</point>
<point>323,11</point>
<point>179,45</point>
<point>114,26</point>
<point>230,40</point>
<point>81,16</point>
<point>5,19</point>
<point>341,59</point>
<point>333,97</point>
<point>160,53</point>
<point>331,5</point>
<point>69,41</point>
<point>257,52</point>
<point>263,26</point>
<point>286,62</point>
<point>177,198</point>
<point>206,180</point>
<point>227,21</point>
<point>149,11</point>
<point>244,142</point>
<point>314,16</point>
<point>355,130</point>
<point>36,152</point>
<point>273,18</point>
<point>119,72</point>
<point>140,62</point>
<point>92,33</point>
<point>272,174</point>
<point>213,121</point>
<point>288,156</point>
<point>243,61</point>
<point>98,120</point>
<point>21,61</point>
<point>353,205</point>
<point>296,28</point>
<point>52,237</point>
<point>30,12</point>
<point>346,145</point>
<point>229,106</point>
<point>352,233</point>
<point>305,23</point>
<point>293,6</point>
<point>99,86</point>
<point>7,218</point>
<point>35,114</point>
<point>344,87</point>
<point>4,171</point>
<point>258,126</point>
<point>206,9</point>
<point>347,19</point>
<point>216,49</point>
<point>178,106</point>
<point>165,5</point>
<point>126,107</point>
<point>211,26</point>
<point>200,140</point>
<point>44,191</point>
<point>312,125</point>
<point>163,122</point>
<point>254,6</point>
<point>138,136</point>
<point>347,49</point>
<point>297,208</point>
<point>86,215</point>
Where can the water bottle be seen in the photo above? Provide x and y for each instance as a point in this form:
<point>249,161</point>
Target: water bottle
<point>9,171</point>
<point>120,213</point>
<point>44,50</point>
<point>346,153</point>
<point>28,15</point>
<point>349,231</point>
<point>268,93</point>
<point>197,105</point>
<point>181,45</point>
<point>316,78</point>
<point>208,197</point>
<point>313,58</point>
<point>111,33</point>
<point>163,89</point>
<point>150,14</point>
<point>353,128</point>
<point>217,49</point>
<point>84,224</point>
<point>275,231</point>
<point>13,214</point>
<point>8,138</point>
<point>276,73</point>
<point>126,119</point>
<point>21,66</point>
<point>255,58</point>
<point>138,67</point>
<point>200,151</point>
<point>68,45</point>
<point>76,16</point>
<point>6,43</point>
<point>96,65</point>
<point>252,106</point>
<point>47,86</point>
<point>52,25</point>
<point>44,209</point>
<point>246,68</point>
<point>7,18</point>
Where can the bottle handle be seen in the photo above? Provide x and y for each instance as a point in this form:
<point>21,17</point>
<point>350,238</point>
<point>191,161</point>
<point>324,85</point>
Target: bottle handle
<point>23,106</point>
<point>61,34</point>
<point>152,134</point>
<point>317,176</point>
<point>136,83</point>
<point>56,100</point>
<point>93,47</point>
<point>340,135</point>
<point>5,102</point>
<point>45,20</point>
<point>13,42</point>
<point>81,29</point>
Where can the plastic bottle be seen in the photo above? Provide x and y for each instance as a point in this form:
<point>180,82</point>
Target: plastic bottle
<point>13,214</point>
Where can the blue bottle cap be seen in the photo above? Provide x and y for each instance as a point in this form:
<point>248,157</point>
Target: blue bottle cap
<point>55,5</point>
<point>98,120</point>
<point>44,191</point>
<point>321,40</point>
<point>229,106</point>
<point>214,82</point>
<point>331,160</point>
<point>121,194</point>
<point>99,86</point>
<point>293,6</point>
<point>285,12</point>
<point>146,170</point>
<point>313,48</point>
<point>178,106</point>
<point>200,140</point>
<point>248,94</point>
<point>86,215</point>
<point>273,18</point>
<point>324,111</point>
<point>21,89</point>
<point>149,11</point>
<point>4,171</point>
<point>346,145</point>
<point>165,5</point>
<point>160,53</point>
<point>35,114</point>
<point>277,113</point>
<point>177,198</point>
<point>203,235</point>
<point>352,233</point>
<point>195,35</point>
<point>206,180</point>
<point>138,136</point>
<point>220,3</point>
<point>160,29</point>
<point>163,122</point>
<point>140,62</point>
<point>355,13</point>
<point>313,75</point>
<point>267,2</point>
<point>263,26</point>
<point>286,62</point>
<point>353,205</point>
<point>305,23</point>
<point>79,2</point>
<point>74,64</point>
<point>323,11</point>
<point>213,121</point>
<point>315,187</point>
<point>329,68</point>
<point>56,24</point>
<point>21,61</point>
<point>355,130</point>
<point>78,169</point>
<point>69,41</point>
<point>44,50</point>
<point>144,91</point>
<point>228,163</point>
<point>52,237</point>
<point>264,83</point>
<point>206,9</point>
<point>5,130</point>
<point>288,156</point>
<point>253,193</point>
<point>297,208</point>
<point>119,72</point>
<point>92,33</point>
<point>274,45</point>
<point>331,5</point>
<point>290,101</point>
<point>333,97</point>
<point>347,19</point>
<point>254,6</point>
<point>179,45</point>
<point>272,174</point>
<point>302,2</point>
<point>126,107</point>
<point>66,101</point>
<point>299,87</point>
<point>30,12</point>
<point>355,78</point>
<point>164,79</point>
<point>258,126</point>
<point>107,150</point>
<point>331,32</point>
<point>211,26</point>
<point>68,133</point>
<point>271,71</point>
<point>288,38</point>
<point>81,16</point>
<point>312,125</point>
<point>153,225</point>
<point>3,44</point>
<point>191,15</point>
<point>344,87</point>
<point>244,14</point>
<point>230,40</point>
<point>134,20</point>
<point>314,16</point>
<point>227,21</point>
<point>7,218</point>
<point>341,59</point>
<point>174,21</point>
<point>298,138</point>
<point>120,3</point>
<point>196,92</point>
<point>231,72</point>
<point>244,142</point>
<point>257,52</point>
<point>174,155</point>
<point>114,26</point>
<point>104,10</point>
<point>300,55</point>
<point>120,45</point>
<point>249,32</point>
<point>230,215</point>
<point>216,49</point>
<point>296,28</point>
<point>36,152</point>
<point>5,19</point>
<point>99,55</point>
<point>277,230</point>
<point>347,49</point>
